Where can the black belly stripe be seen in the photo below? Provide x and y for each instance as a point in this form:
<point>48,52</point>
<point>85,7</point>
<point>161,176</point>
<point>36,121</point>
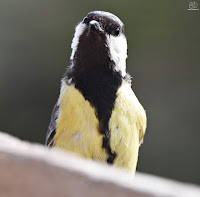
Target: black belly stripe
<point>101,93</point>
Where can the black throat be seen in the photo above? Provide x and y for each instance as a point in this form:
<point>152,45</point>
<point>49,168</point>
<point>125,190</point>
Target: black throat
<point>94,76</point>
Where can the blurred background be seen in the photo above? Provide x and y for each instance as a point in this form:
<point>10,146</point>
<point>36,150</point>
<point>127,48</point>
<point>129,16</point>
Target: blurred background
<point>163,59</point>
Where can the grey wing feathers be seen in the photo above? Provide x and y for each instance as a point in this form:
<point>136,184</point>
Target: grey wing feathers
<point>52,127</point>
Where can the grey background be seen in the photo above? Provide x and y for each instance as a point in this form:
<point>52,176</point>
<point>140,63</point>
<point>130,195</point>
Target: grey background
<point>163,49</point>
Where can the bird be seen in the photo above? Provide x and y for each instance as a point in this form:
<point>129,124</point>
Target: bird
<point>97,115</point>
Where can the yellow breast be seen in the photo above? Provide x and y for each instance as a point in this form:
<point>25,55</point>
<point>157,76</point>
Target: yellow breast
<point>127,125</point>
<point>77,126</point>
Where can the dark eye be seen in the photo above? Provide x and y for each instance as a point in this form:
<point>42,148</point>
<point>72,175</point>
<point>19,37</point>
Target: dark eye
<point>85,19</point>
<point>117,31</point>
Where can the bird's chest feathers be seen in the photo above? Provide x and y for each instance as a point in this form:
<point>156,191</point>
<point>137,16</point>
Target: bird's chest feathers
<point>77,125</point>
<point>125,126</point>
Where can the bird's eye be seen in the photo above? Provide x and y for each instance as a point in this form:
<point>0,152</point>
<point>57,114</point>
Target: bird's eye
<point>85,19</point>
<point>117,31</point>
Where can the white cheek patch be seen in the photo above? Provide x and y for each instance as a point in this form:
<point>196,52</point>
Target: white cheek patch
<point>118,51</point>
<point>78,32</point>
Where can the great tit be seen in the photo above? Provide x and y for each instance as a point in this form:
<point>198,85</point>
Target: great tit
<point>97,115</point>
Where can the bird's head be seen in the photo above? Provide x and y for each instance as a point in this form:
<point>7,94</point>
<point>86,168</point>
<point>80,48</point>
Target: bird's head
<point>99,40</point>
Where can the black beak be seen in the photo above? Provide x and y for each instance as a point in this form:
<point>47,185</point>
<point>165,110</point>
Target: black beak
<point>94,26</point>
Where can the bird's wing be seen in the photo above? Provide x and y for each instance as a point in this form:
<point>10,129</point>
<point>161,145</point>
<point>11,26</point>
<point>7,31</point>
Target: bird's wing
<point>52,126</point>
<point>142,122</point>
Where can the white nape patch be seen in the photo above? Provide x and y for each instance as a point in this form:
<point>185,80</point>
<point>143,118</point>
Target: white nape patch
<point>78,31</point>
<point>118,51</point>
